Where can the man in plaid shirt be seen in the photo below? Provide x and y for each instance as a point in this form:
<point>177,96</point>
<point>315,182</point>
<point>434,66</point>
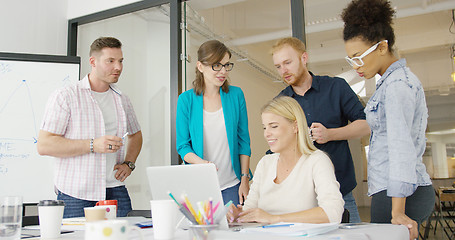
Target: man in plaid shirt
<point>84,127</point>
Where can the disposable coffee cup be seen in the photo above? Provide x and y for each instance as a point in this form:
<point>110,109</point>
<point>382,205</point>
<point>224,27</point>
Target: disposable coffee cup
<point>50,214</point>
<point>163,213</point>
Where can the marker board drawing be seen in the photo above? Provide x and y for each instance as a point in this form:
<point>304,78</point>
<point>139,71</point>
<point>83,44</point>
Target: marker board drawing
<point>26,81</point>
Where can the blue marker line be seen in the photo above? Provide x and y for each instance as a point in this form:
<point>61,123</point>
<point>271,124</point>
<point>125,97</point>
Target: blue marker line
<point>278,225</point>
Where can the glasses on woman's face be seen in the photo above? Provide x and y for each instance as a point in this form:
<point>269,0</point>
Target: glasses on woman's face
<point>218,66</point>
<point>357,61</point>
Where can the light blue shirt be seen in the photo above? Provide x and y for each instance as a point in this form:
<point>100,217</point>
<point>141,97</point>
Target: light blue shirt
<point>189,125</point>
<point>397,114</point>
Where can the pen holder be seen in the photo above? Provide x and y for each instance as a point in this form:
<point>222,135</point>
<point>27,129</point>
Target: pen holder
<point>201,232</point>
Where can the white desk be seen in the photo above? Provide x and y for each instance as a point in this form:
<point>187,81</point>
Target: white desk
<point>363,232</point>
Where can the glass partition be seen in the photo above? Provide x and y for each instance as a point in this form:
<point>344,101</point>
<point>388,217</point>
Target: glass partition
<point>250,27</point>
<point>424,37</point>
<point>241,26</point>
<point>145,79</point>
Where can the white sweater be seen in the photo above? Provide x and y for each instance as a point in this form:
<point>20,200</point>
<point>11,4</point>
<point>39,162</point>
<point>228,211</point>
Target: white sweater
<point>310,184</point>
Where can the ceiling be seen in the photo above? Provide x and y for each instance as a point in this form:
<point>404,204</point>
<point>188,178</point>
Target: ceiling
<point>421,27</point>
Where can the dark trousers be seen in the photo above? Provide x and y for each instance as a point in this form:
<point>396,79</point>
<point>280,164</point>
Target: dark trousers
<point>74,207</point>
<point>231,193</point>
<point>418,206</point>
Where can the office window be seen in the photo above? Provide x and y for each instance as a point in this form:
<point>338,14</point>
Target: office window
<point>249,29</point>
<point>145,79</point>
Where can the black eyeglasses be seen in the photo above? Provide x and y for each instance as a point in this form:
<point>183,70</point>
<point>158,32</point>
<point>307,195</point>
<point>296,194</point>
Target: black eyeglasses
<point>218,66</point>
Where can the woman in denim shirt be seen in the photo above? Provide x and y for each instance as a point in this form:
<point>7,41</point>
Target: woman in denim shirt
<point>400,187</point>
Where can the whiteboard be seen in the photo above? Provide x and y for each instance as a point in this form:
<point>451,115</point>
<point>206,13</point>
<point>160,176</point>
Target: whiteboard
<point>26,81</point>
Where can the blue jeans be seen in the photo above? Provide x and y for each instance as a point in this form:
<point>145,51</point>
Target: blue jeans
<point>74,207</point>
<point>231,193</point>
<point>351,206</point>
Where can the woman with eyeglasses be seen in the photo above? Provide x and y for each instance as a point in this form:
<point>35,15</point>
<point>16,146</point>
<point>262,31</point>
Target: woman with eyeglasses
<point>212,122</point>
<point>401,189</point>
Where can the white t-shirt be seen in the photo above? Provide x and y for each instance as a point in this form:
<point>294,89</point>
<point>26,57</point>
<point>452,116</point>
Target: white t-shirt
<point>310,184</point>
<point>106,104</point>
<point>216,147</point>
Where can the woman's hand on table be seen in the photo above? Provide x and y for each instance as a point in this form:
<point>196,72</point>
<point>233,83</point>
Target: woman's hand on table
<point>233,213</point>
<point>257,215</point>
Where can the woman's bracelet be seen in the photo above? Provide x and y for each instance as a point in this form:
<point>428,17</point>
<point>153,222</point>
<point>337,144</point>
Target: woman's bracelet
<point>245,175</point>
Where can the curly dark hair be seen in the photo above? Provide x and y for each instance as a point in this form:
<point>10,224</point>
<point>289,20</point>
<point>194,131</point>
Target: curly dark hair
<point>370,20</point>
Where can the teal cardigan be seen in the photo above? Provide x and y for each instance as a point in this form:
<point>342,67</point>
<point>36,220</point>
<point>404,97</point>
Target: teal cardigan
<point>189,125</point>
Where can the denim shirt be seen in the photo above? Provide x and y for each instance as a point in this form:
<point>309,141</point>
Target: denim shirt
<point>397,114</point>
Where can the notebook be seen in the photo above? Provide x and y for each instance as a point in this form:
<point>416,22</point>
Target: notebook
<point>198,181</point>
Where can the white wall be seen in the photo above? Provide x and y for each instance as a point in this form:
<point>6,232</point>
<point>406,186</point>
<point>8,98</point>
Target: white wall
<point>40,27</point>
<point>30,26</point>
<point>78,8</point>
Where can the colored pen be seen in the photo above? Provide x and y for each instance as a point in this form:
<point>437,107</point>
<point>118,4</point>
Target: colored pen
<point>188,215</point>
<point>190,207</point>
<point>184,210</point>
<point>173,198</point>
<point>202,212</point>
<point>228,204</point>
<point>220,214</point>
<point>125,135</point>
<point>211,210</point>
<point>278,225</point>
<point>216,207</point>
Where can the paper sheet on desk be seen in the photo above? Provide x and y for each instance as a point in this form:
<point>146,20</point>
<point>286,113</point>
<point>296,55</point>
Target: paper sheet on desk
<point>73,223</point>
<point>296,229</point>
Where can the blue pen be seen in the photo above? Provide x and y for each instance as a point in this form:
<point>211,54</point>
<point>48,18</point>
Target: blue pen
<point>278,225</point>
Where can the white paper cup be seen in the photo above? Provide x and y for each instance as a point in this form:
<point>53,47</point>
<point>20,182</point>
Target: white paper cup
<point>111,211</point>
<point>163,214</point>
<point>109,230</point>
<point>50,214</point>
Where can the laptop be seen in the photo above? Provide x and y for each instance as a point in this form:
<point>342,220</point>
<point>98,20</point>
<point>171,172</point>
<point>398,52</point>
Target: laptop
<point>198,181</point>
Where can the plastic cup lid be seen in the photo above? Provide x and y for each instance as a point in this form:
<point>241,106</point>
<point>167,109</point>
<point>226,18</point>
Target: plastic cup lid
<point>51,203</point>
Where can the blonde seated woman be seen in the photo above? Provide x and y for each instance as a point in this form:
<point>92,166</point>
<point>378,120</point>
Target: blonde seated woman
<point>295,184</point>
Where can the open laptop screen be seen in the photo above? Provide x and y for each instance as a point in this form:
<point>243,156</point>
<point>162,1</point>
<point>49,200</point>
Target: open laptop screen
<point>198,181</point>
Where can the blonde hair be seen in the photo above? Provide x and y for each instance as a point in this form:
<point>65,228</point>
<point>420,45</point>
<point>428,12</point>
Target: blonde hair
<point>290,109</point>
<point>293,42</point>
<point>209,53</point>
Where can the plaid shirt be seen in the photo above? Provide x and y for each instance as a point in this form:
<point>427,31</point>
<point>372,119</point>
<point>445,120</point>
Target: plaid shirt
<point>73,113</point>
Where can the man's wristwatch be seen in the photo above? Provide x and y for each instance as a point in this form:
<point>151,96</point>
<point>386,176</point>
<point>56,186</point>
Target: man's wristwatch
<point>131,165</point>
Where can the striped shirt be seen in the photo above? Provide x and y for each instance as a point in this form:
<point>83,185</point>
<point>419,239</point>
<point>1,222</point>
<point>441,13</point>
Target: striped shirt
<point>73,113</point>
